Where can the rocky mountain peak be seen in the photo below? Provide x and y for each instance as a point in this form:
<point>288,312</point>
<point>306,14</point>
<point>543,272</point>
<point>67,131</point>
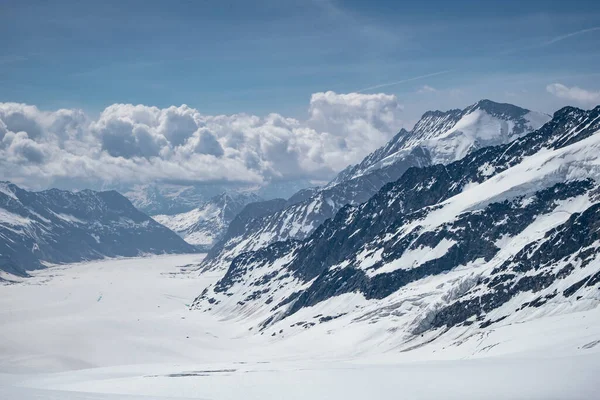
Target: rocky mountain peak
<point>505,110</point>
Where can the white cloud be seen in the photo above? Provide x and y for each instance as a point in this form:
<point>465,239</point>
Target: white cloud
<point>136,143</point>
<point>426,89</point>
<point>574,93</point>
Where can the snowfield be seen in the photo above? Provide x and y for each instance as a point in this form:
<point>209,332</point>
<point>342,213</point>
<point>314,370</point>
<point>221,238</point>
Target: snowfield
<point>122,329</point>
<point>184,222</point>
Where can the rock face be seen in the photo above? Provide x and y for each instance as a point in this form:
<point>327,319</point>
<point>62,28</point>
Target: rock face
<point>507,233</point>
<point>439,137</point>
<point>205,225</point>
<point>56,226</point>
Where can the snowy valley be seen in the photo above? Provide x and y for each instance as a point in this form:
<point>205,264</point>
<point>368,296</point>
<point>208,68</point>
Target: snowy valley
<point>98,337</point>
<point>300,200</point>
<point>458,261</point>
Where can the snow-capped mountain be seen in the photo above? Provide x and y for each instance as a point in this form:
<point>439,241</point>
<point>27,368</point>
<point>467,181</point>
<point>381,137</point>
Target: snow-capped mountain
<point>176,198</point>
<point>507,234</point>
<point>449,136</point>
<point>206,224</point>
<point>55,226</point>
<point>439,137</point>
<point>168,198</point>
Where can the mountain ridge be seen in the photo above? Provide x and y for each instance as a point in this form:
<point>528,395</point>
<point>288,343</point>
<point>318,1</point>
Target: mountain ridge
<point>205,225</point>
<point>512,226</point>
<point>356,184</point>
<point>57,226</point>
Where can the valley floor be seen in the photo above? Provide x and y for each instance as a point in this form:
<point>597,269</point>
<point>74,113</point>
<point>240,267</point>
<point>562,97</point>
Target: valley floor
<point>121,329</point>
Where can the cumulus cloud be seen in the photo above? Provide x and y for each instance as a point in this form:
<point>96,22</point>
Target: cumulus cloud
<point>24,150</point>
<point>129,144</point>
<point>579,95</point>
<point>207,143</point>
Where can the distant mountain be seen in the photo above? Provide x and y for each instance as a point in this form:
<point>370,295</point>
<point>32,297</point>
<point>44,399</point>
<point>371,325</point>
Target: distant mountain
<point>177,198</point>
<point>168,198</point>
<point>55,226</point>
<point>206,224</point>
<point>506,234</point>
<point>439,137</point>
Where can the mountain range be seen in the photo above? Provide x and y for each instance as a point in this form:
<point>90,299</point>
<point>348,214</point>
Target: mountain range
<point>206,224</point>
<point>172,198</point>
<point>475,218</point>
<point>438,137</point>
<point>56,226</point>
<point>506,234</point>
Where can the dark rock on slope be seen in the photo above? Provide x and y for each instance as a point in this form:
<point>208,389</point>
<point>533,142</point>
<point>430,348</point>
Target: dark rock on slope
<point>56,226</point>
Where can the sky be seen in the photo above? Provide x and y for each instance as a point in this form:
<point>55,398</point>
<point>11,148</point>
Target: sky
<point>322,76</point>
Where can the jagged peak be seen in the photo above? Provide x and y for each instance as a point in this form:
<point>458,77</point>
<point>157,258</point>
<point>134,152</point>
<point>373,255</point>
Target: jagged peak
<point>9,189</point>
<point>496,108</point>
<point>439,113</point>
<point>570,110</point>
<point>572,115</point>
<point>490,106</point>
<point>401,133</point>
<point>8,184</point>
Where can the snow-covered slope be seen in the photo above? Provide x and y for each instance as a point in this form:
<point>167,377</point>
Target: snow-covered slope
<point>121,330</point>
<point>206,224</point>
<point>507,234</point>
<point>57,226</point>
<point>449,136</point>
<point>439,137</point>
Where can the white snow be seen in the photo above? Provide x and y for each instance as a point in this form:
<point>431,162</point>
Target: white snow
<point>536,119</point>
<point>544,169</point>
<point>188,225</point>
<point>6,217</point>
<point>510,246</point>
<point>68,218</point>
<point>415,257</point>
<point>368,258</point>
<point>184,221</point>
<point>5,190</point>
<point>204,225</point>
<point>476,130</point>
<point>121,329</point>
<point>387,161</point>
<point>473,131</point>
<point>486,170</point>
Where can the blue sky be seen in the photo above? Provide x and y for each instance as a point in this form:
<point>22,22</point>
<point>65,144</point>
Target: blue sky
<point>271,55</point>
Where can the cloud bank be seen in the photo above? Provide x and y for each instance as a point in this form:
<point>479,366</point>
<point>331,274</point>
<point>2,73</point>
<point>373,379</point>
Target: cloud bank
<point>576,94</point>
<point>130,144</point>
